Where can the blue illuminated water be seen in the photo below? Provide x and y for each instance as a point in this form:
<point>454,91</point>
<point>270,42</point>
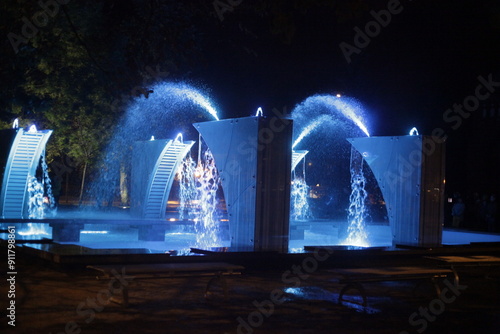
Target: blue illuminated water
<point>356,213</point>
<point>198,185</point>
<point>41,203</point>
<point>170,109</point>
<point>345,112</point>
<point>207,221</point>
<point>310,128</point>
<point>299,192</point>
<point>322,123</point>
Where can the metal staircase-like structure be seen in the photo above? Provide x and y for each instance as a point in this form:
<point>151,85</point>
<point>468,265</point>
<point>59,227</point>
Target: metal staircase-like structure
<point>163,176</point>
<point>297,156</point>
<point>23,160</point>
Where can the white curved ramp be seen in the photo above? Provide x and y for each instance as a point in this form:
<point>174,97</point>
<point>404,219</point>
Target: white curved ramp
<point>162,177</point>
<point>22,162</point>
<point>297,157</point>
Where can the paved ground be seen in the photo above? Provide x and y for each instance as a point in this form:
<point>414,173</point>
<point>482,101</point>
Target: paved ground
<point>53,301</point>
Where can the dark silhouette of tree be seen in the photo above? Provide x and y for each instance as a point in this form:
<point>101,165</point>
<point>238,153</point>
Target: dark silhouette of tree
<point>73,68</point>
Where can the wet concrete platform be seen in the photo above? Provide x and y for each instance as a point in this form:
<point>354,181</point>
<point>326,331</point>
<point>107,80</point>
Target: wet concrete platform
<point>275,298</point>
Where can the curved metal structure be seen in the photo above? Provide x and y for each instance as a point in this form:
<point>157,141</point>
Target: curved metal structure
<point>155,164</point>
<point>297,157</point>
<point>23,160</point>
<point>410,173</point>
<point>253,156</point>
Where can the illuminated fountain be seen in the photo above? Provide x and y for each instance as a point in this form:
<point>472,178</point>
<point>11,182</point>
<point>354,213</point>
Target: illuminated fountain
<point>300,209</point>
<point>322,124</point>
<point>198,185</point>
<point>207,219</point>
<point>26,189</point>
<point>410,173</point>
<point>35,199</point>
<point>154,167</point>
<point>254,163</point>
<point>170,109</point>
<point>254,159</point>
<point>188,192</point>
<point>356,231</point>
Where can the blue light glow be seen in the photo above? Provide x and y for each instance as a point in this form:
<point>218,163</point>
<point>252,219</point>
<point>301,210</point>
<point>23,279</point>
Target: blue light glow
<point>327,108</point>
<point>94,232</point>
<point>299,199</point>
<point>35,229</point>
<point>309,128</point>
<point>179,138</point>
<point>356,232</point>
<point>196,97</point>
<point>199,183</point>
<point>169,104</point>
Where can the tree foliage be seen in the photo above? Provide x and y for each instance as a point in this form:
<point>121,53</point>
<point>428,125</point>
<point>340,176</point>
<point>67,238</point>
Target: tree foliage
<point>72,68</point>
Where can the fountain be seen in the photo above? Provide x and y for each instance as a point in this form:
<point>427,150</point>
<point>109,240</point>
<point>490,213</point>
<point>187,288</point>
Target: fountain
<point>244,185</point>
<point>323,123</point>
<point>154,166</point>
<point>356,231</point>
<point>299,196</point>
<point>253,157</point>
<point>170,109</point>
<point>410,173</point>
<point>23,193</point>
<point>188,190</point>
<point>206,215</point>
<point>236,148</point>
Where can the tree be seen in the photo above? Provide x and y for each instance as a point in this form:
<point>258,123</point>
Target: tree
<point>74,68</point>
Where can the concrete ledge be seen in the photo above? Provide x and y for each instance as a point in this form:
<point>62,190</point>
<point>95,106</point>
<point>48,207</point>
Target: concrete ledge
<point>66,232</point>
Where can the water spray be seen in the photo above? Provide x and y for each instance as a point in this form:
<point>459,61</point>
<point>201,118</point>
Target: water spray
<point>299,192</point>
<point>199,182</point>
<point>356,233</point>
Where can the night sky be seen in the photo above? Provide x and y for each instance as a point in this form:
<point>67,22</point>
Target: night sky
<point>426,59</point>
